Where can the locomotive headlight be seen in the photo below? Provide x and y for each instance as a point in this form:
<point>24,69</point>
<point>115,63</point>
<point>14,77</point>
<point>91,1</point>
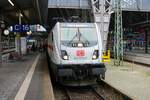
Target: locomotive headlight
<point>95,55</point>
<point>64,55</point>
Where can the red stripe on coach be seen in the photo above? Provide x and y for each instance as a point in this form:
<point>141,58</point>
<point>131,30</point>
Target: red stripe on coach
<point>50,47</point>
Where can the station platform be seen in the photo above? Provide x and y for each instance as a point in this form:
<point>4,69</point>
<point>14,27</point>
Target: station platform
<point>26,79</point>
<point>138,57</point>
<point>131,79</point>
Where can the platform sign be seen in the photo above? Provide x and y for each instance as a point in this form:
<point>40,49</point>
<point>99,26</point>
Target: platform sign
<point>20,28</point>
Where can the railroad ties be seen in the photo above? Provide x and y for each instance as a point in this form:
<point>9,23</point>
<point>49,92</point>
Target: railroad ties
<point>101,91</point>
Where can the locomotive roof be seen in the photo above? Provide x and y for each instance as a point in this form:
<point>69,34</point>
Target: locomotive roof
<point>77,24</point>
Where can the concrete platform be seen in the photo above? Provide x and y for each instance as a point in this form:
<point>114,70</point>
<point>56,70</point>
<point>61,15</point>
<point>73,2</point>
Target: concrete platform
<point>12,74</point>
<point>131,79</point>
<point>27,79</point>
<point>40,87</point>
<point>138,57</point>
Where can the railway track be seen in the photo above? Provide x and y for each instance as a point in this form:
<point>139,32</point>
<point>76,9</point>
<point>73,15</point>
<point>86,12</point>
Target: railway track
<point>102,91</point>
<point>67,94</point>
<point>111,93</point>
<point>86,93</point>
<point>100,96</point>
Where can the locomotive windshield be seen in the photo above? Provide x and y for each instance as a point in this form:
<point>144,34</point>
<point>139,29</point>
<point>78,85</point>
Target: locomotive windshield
<point>73,35</point>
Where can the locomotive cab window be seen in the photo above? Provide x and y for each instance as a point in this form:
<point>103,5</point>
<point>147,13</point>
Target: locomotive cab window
<point>72,36</point>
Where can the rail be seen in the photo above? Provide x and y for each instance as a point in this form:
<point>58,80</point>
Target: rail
<point>66,91</point>
<point>113,91</point>
<point>98,95</point>
<point>101,91</point>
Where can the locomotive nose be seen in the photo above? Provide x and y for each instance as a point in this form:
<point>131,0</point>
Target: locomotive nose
<point>81,55</point>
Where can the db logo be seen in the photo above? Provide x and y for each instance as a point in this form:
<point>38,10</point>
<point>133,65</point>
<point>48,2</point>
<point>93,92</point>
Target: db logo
<point>80,53</point>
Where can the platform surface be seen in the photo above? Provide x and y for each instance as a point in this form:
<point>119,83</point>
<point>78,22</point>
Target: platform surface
<point>15,76</point>
<point>138,56</point>
<point>40,87</point>
<point>12,74</point>
<point>131,79</point>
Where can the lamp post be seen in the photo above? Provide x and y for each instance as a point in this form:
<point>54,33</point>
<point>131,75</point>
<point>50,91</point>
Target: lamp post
<point>18,38</point>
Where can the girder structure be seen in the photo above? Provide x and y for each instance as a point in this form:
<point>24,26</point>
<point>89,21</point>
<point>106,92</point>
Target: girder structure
<point>133,5</point>
<point>127,5</point>
<point>118,35</point>
<point>71,4</point>
<point>118,31</point>
<point>102,10</point>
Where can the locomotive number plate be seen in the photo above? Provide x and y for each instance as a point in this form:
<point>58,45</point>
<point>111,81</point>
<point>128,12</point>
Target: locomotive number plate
<point>80,53</point>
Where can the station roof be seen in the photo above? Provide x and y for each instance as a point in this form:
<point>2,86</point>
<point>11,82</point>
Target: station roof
<point>127,5</point>
<point>33,11</point>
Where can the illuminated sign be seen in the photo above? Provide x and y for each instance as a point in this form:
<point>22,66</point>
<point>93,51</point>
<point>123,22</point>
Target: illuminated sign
<point>20,28</point>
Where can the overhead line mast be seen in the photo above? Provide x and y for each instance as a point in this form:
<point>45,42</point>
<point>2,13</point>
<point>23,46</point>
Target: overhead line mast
<point>118,35</point>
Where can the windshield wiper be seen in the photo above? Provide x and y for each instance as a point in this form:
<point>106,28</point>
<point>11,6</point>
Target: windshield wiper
<point>79,35</point>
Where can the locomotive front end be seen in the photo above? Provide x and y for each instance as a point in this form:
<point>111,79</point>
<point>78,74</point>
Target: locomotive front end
<point>80,53</point>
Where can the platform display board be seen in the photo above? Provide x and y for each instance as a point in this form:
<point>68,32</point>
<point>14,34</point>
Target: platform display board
<point>20,28</point>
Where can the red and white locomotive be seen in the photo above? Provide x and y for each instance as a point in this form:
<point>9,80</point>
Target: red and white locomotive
<point>75,51</point>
